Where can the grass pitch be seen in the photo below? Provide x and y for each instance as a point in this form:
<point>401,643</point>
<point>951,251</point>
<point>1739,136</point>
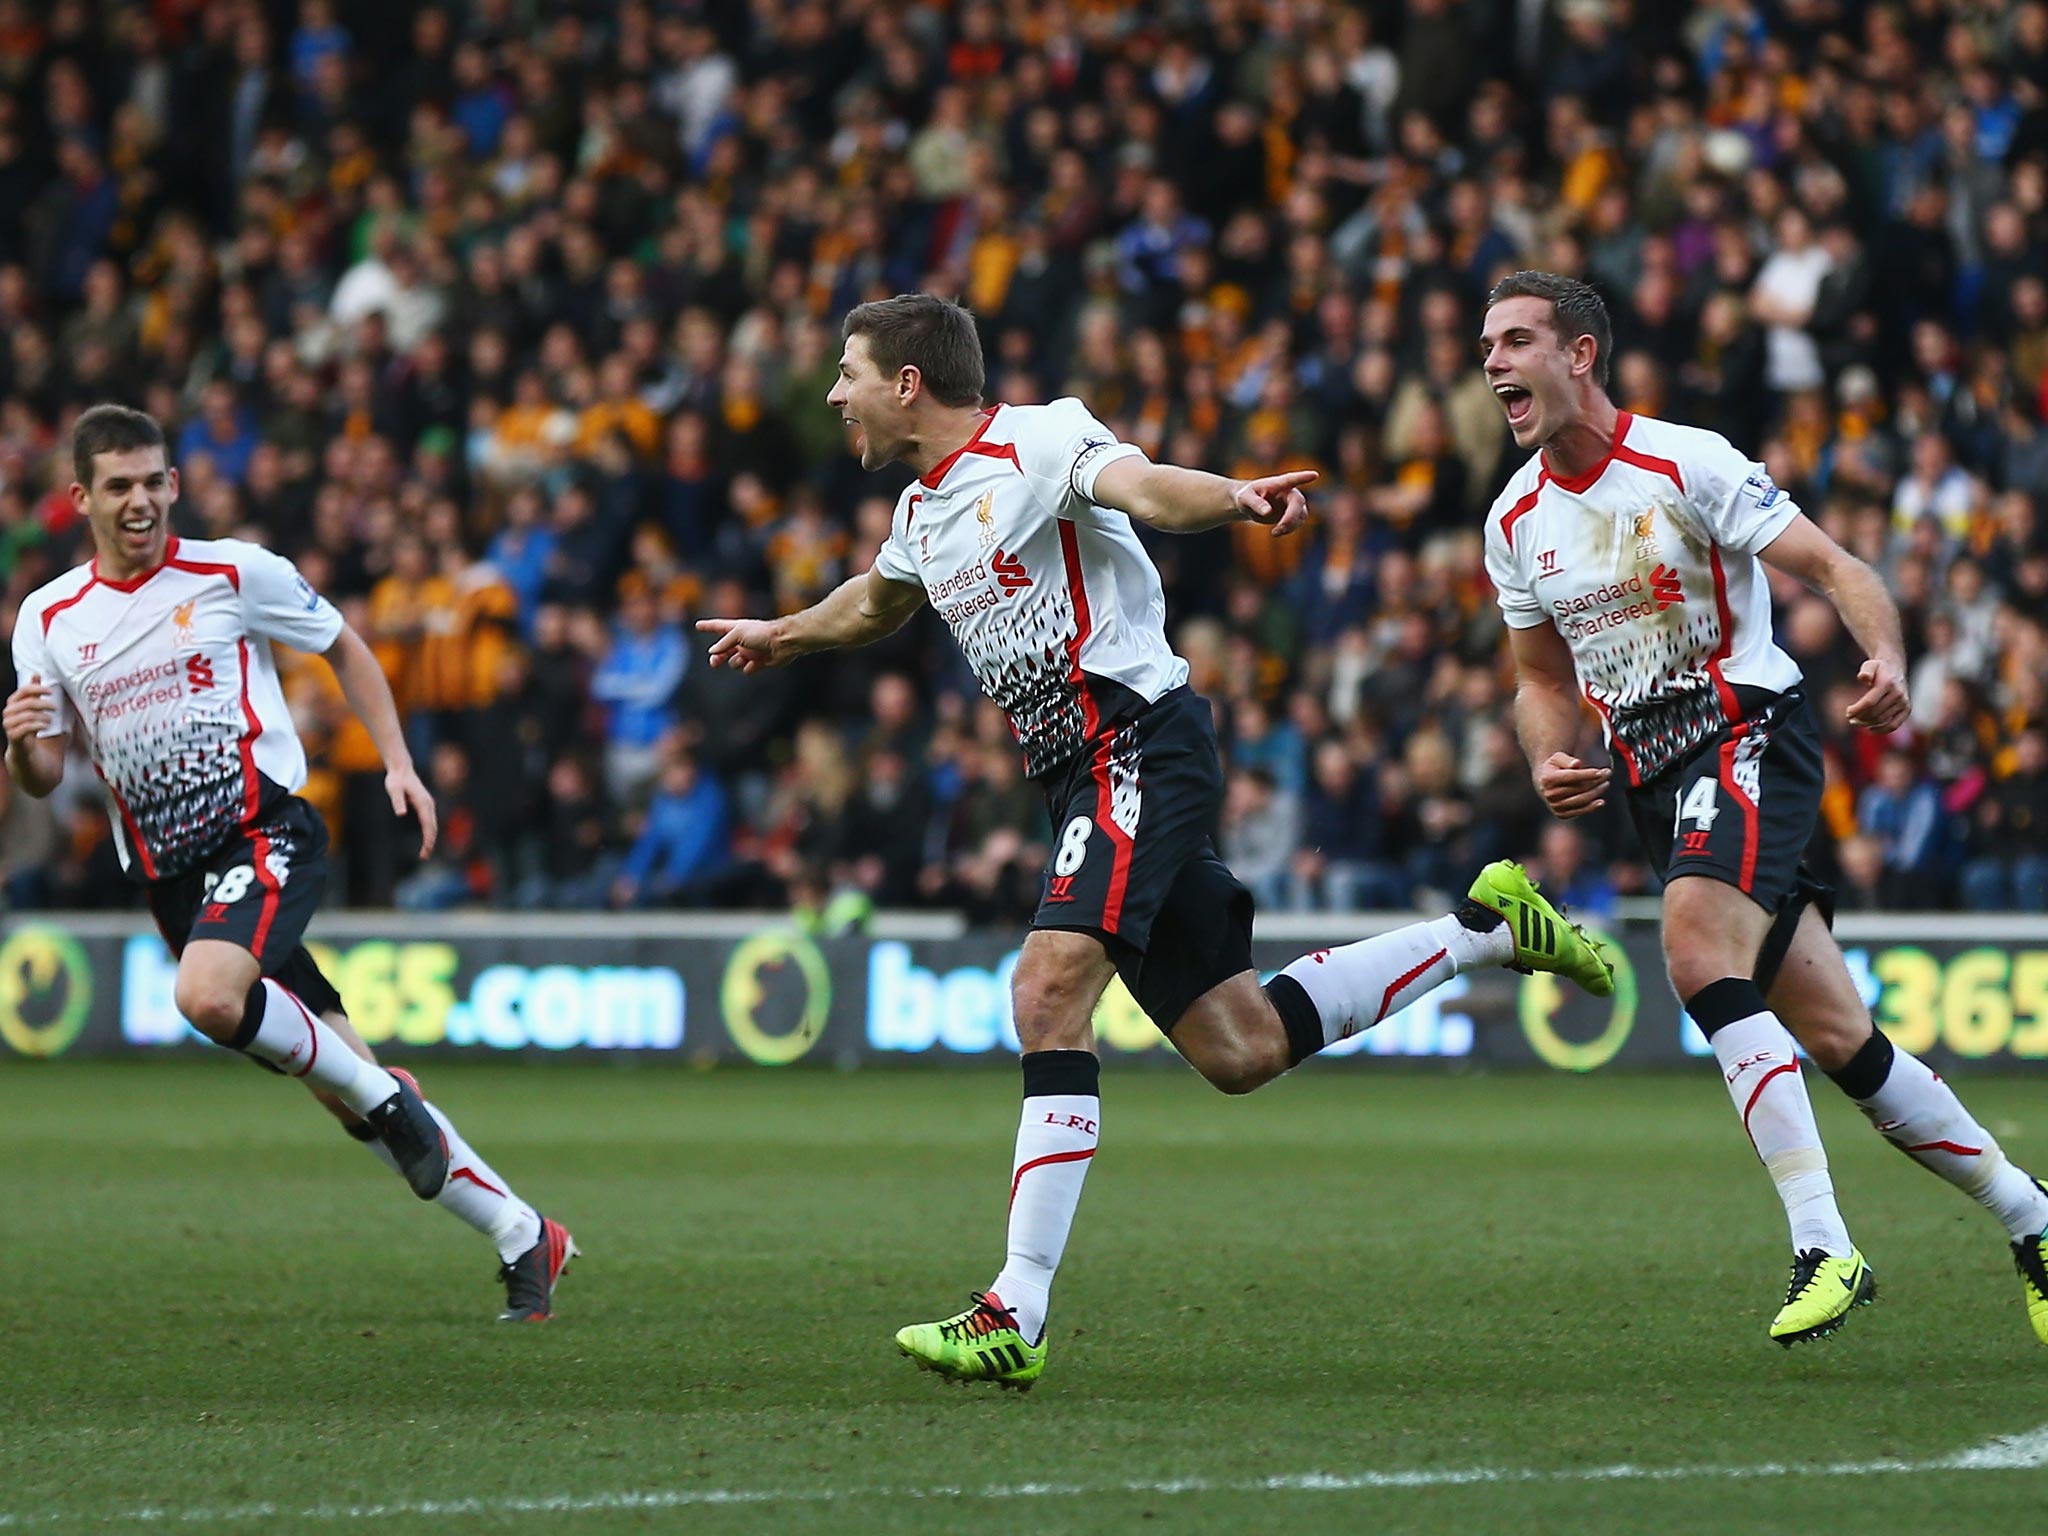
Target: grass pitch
<point>1348,1302</point>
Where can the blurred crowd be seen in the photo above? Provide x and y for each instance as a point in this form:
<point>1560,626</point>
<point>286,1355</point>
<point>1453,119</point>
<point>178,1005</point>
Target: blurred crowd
<point>512,324</point>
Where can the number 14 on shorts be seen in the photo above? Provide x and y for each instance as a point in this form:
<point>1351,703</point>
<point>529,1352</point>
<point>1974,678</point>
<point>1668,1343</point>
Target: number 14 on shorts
<point>1699,807</point>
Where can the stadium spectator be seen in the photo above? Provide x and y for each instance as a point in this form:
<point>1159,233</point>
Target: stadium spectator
<point>1261,830</point>
<point>456,872</point>
<point>1344,860</point>
<point>222,434</point>
<point>643,666</point>
<point>2010,867</point>
<point>1560,863</point>
<point>684,841</point>
<point>1902,811</point>
<point>576,864</point>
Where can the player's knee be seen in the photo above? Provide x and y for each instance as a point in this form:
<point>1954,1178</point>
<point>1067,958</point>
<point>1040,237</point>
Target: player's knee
<point>1832,1040</point>
<point>1689,976</point>
<point>1239,1065</point>
<point>1693,963</point>
<point>1236,1076</point>
<point>1051,1012</point>
<point>214,1009</point>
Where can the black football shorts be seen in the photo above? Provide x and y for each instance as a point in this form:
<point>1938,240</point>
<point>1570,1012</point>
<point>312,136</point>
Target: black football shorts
<point>1134,819</point>
<point>1741,807</point>
<point>258,890</point>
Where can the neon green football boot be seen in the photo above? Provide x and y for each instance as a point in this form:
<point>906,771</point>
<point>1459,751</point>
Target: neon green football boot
<point>981,1344</point>
<point>1545,940</point>
<point>2030,1257</point>
<point>1823,1292</point>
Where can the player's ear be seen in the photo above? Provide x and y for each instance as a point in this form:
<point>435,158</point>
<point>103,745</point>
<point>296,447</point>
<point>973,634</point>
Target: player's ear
<point>909,384</point>
<point>171,480</point>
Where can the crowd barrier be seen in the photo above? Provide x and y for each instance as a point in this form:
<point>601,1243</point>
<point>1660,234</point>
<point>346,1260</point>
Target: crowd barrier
<point>1964,992</point>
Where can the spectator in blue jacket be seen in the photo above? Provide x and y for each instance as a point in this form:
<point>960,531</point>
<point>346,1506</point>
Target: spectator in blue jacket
<point>1902,810</point>
<point>522,552</point>
<point>637,684</point>
<point>75,216</point>
<point>1342,865</point>
<point>685,843</point>
<point>222,432</point>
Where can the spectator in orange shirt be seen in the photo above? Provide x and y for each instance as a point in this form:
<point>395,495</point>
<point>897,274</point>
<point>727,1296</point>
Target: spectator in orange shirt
<point>401,607</point>
<point>617,410</point>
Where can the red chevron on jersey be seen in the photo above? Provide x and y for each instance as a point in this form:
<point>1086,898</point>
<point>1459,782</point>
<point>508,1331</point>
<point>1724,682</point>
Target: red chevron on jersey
<point>1664,586</point>
<point>1009,572</point>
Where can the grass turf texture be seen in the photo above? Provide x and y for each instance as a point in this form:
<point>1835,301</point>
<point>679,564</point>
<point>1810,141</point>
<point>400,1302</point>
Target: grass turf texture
<point>215,1299</point>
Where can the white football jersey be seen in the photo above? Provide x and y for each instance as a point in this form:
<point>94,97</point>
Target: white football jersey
<point>169,680</point>
<point>1055,603</point>
<point>1647,566</point>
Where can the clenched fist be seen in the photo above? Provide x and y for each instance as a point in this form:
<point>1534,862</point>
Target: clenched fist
<point>1570,788</point>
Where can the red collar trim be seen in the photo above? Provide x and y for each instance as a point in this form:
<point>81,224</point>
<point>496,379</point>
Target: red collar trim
<point>938,471</point>
<point>1578,485</point>
<point>135,582</point>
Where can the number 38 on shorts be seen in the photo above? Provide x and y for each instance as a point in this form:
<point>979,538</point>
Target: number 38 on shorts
<point>259,892</point>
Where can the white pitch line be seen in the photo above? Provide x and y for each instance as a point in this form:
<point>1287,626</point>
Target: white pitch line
<point>2005,1453</point>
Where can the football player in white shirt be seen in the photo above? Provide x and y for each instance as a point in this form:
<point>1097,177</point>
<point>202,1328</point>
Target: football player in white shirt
<point>1628,554</point>
<point>156,657</point>
<point>1018,531</point>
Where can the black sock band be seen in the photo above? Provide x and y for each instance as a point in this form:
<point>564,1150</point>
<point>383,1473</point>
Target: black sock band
<point>1048,1072</point>
<point>361,1131</point>
<point>1864,1073</point>
<point>252,1019</point>
<point>1720,1003</point>
<point>1298,1017</point>
<point>1478,916</point>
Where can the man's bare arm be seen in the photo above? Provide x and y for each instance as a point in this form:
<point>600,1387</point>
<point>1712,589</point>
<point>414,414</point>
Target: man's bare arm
<point>1805,551</point>
<point>368,693</point>
<point>1176,500</point>
<point>1550,723</point>
<point>859,611</point>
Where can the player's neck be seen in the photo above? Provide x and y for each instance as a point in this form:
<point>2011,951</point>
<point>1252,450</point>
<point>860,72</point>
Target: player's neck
<point>947,432</point>
<point>1578,448</point>
<point>111,565</point>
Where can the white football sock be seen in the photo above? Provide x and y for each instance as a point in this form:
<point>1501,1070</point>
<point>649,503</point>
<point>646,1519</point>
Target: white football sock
<point>1920,1114</point>
<point>475,1194</point>
<point>1356,985</point>
<point>299,1045</point>
<point>1056,1139</point>
<point>1761,1067</point>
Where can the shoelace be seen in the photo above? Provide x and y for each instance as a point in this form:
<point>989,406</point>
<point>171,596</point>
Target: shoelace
<point>2026,1258</point>
<point>1805,1267</point>
<point>981,1319</point>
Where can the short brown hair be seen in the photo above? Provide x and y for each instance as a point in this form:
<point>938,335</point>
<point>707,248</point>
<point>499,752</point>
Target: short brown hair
<point>933,335</point>
<point>110,428</point>
<point>1576,308</point>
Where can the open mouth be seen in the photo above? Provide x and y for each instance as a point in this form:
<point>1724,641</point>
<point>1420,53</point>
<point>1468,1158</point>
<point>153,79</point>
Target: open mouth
<point>1516,401</point>
<point>138,527</point>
